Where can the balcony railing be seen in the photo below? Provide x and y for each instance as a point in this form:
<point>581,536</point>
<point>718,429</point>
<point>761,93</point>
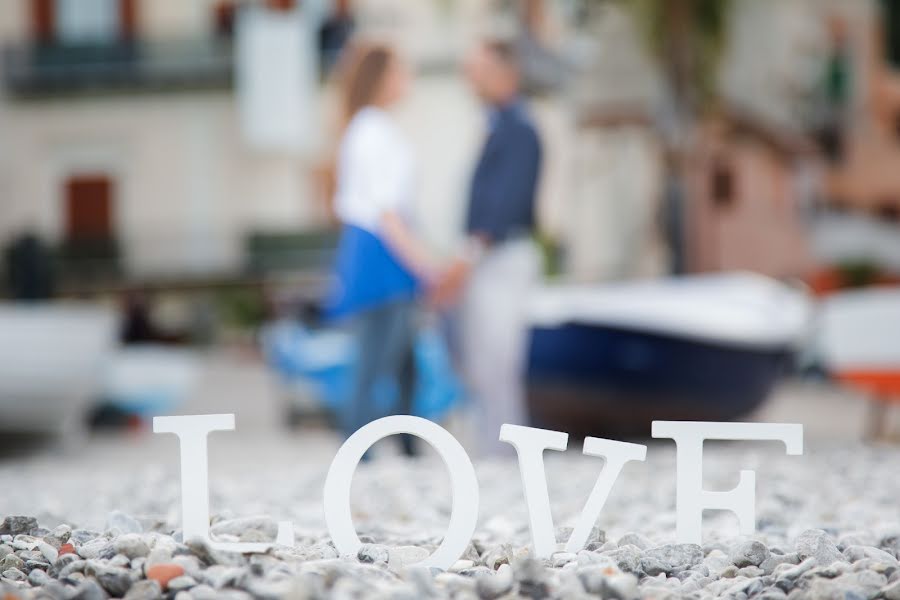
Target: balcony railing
<point>60,69</point>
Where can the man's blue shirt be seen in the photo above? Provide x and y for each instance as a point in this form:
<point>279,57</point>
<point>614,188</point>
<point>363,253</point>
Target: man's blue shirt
<point>504,186</point>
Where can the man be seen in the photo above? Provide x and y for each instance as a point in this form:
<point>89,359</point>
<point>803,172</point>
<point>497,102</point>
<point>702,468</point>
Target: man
<point>501,261</point>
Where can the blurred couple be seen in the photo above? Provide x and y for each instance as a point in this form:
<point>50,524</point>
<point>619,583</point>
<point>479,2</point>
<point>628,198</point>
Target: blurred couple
<point>384,267</point>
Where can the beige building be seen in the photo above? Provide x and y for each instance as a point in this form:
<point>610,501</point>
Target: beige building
<point>123,124</point>
<point>812,94</point>
<point>126,120</point>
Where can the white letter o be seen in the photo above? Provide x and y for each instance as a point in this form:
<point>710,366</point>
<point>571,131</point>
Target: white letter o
<point>464,484</point>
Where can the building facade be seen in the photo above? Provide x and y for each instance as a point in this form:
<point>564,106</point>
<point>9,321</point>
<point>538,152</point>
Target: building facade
<point>121,128</point>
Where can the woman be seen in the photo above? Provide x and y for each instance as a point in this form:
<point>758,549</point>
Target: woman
<point>381,264</point>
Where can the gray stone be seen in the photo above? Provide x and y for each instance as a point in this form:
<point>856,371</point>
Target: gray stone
<point>498,555</point>
<point>786,576</point>
<point>114,580</point>
<point>38,577</point>
<point>144,590</point>
<point>13,575</point>
<point>768,565</point>
<point>373,553</point>
<point>211,556</point>
<point>89,589</point>
<point>11,561</point>
<point>495,584</point>
<point>185,582</point>
<point>118,522</point>
<point>628,558</point>
<point>635,539</point>
<point>48,551</point>
<point>857,553</point>
<point>750,572</point>
<point>62,532</point>
<point>891,591</point>
<point>817,544</point>
<point>560,559</point>
<point>95,548</point>
<point>600,581</point>
<point>671,558</point>
<point>203,592</point>
<point>17,525</point>
<point>531,578</point>
<point>595,539</point>
<point>750,553</point>
<point>36,564</point>
<point>266,527</point>
<point>53,590</point>
<point>83,536</point>
<point>220,576</point>
<point>850,585</point>
<point>68,566</point>
<point>404,556</point>
<point>131,545</point>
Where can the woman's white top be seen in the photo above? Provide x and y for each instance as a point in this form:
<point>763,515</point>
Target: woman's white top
<point>376,171</point>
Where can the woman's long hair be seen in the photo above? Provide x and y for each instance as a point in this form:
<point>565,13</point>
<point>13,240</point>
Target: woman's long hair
<point>364,70</point>
<point>358,80</point>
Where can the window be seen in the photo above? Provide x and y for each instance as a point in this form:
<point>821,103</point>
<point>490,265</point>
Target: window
<point>722,183</point>
<point>87,21</point>
<point>83,21</point>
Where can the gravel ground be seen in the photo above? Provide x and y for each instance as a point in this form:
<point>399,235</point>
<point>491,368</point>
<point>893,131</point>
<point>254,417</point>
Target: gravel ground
<point>103,521</point>
<point>828,527</point>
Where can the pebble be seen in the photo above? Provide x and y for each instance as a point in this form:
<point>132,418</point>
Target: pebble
<point>494,585</point>
<point>17,525</point>
<point>749,553</point>
<point>94,548</point>
<point>89,589</point>
<point>373,553</point>
<point>118,522</point>
<point>144,590</point>
<point>184,582</point>
<point>115,580</point>
<point>404,556</point>
<point>671,558</point>
<point>131,545</point>
<point>11,561</point>
<point>13,575</point>
<point>635,539</point>
<point>891,591</point>
<point>48,551</point>
<point>164,573</point>
<point>815,543</point>
<point>38,577</point>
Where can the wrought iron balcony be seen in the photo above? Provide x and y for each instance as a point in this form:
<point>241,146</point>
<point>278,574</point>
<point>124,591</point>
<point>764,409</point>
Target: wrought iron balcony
<point>60,69</point>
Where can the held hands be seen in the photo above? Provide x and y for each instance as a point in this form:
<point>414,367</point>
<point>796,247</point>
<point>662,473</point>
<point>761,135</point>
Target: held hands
<point>446,288</point>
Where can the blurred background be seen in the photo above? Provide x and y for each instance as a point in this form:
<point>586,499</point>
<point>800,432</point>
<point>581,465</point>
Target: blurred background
<point>719,207</point>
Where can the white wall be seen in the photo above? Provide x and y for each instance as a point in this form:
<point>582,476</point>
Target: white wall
<point>186,190</point>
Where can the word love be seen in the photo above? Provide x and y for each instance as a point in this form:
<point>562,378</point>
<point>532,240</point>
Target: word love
<point>529,443</point>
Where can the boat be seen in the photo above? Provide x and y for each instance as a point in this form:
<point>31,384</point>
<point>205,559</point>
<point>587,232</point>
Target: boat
<point>53,358</point>
<point>612,358</point>
<point>858,343</point>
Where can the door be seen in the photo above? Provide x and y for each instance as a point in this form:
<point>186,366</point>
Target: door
<point>88,207</point>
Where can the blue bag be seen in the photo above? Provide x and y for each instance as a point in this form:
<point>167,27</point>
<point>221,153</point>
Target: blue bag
<point>328,360</point>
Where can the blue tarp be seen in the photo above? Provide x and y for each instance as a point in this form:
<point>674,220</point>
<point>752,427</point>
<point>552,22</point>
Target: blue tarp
<point>327,359</point>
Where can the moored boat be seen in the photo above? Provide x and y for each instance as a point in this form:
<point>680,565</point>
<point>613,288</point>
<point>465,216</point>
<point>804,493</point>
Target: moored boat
<point>614,357</point>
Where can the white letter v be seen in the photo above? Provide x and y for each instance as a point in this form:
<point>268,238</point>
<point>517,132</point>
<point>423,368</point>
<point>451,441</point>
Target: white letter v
<point>530,444</point>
